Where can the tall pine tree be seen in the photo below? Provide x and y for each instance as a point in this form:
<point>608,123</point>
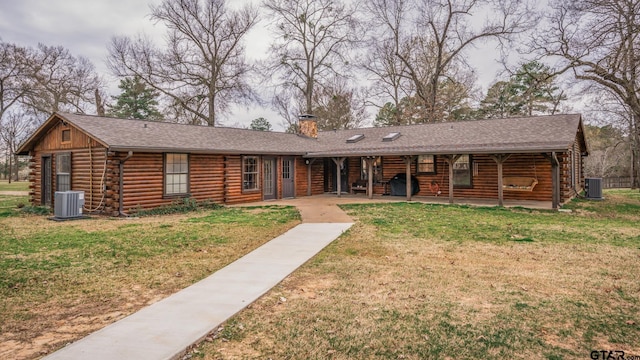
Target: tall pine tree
<point>136,101</point>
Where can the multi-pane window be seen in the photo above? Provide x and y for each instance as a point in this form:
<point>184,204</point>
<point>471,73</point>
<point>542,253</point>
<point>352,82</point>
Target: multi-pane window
<point>462,171</point>
<point>63,172</point>
<point>377,170</point>
<point>250,173</point>
<point>176,174</point>
<point>426,164</point>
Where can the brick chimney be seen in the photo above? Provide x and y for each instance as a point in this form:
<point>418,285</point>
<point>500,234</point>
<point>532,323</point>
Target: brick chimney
<point>308,125</point>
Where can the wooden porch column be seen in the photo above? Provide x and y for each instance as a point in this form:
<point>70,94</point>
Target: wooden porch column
<point>339,162</point>
<point>309,163</point>
<point>555,179</point>
<point>407,161</point>
<point>500,159</point>
<point>370,161</point>
<point>451,159</point>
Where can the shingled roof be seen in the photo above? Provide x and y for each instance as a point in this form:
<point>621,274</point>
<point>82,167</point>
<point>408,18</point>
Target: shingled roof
<point>522,135</point>
<point>513,135</point>
<point>153,136</point>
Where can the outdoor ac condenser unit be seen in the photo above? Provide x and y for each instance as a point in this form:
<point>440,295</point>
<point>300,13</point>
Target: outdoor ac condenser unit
<point>68,204</point>
<point>593,188</point>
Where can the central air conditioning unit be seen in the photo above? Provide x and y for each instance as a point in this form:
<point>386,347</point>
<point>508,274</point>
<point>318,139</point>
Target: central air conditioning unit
<point>593,188</point>
<point>68,204</point>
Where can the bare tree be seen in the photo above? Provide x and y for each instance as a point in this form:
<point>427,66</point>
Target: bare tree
<point>442,30</point>
<point>313,38</point>
<point>338,106</point>
<point>60,81</point>
<point>13,74</point>
<point>203,59</point>
<point>384,67</point>
<point>14,128</point>
<point>599,41</point>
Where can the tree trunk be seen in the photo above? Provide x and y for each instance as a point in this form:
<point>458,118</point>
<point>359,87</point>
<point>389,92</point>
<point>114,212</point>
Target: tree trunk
<point>10,166</point>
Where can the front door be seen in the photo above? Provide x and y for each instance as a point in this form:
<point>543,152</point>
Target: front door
<point>270,180</point>
<point>288,188</point>
<point>46,181</point>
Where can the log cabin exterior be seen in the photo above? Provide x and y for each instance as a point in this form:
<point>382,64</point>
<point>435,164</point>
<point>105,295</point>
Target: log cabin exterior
<point>123,165</point>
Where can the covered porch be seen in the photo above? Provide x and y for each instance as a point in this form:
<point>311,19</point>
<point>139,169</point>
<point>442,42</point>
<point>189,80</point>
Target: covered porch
<point>525,179</point>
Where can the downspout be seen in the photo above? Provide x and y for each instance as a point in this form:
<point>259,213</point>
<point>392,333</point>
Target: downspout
<point>121,190</point>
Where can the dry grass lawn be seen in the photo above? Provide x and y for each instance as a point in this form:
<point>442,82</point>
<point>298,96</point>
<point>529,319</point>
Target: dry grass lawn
<point>415,281</point>
<point>63,280</point>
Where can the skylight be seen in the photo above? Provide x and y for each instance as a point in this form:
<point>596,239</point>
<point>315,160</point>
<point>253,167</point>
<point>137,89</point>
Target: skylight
<point>391,136</point>
<point>355,138</point>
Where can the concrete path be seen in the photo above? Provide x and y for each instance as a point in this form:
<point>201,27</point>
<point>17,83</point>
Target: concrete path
<point>167,328</point>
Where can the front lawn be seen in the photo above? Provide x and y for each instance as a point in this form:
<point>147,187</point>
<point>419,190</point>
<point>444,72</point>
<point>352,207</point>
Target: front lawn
<point>417,281</point>
<point>63,280</point>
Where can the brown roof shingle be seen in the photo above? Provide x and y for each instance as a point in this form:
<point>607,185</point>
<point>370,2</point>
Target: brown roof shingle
<point>527,134</point>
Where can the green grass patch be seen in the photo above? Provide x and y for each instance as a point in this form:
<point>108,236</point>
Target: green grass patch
<point>10,205</point>
<point>420,281</point>
<point>14,186</point>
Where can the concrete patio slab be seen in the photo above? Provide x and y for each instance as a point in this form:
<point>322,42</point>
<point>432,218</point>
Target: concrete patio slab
<point>167,328</point>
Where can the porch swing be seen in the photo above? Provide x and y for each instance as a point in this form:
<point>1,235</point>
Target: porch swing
<point>521,183</point>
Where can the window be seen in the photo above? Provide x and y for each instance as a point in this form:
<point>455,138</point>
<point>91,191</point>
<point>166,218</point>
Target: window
<point>377,170</point>
<point>426,164</point>
<point>66,136</point>
<point>63,172</point>
<point>462,171</point>
<point>250,173</point>
<point>176,174</point>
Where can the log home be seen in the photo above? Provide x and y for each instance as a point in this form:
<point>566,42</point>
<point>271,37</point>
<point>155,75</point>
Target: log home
<point>123,165</point>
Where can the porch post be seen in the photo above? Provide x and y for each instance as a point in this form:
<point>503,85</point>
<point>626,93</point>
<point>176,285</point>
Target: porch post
<point>555,181</point>
<point>451,159</point>
<point>339,162</point>
<point>309,163</point>
<point>407,161</point>
<point>500,159</point>
<point>370,161</point>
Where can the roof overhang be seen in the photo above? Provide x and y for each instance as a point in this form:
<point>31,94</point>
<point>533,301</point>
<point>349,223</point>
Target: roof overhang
<point>200,151</point>
<point>439,151</point>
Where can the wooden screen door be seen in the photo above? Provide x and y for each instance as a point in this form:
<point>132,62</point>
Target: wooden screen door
<point>269,190</point>
<point>46,183</point>
<point>288,188</point>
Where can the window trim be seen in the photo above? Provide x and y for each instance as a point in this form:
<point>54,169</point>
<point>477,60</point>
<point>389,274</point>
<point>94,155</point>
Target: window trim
<point>257,187</point>
<point>57,170</point>
<point>469,170</point>
<point>165,173</point>
<point>62,140</point>
<point>435,165</point>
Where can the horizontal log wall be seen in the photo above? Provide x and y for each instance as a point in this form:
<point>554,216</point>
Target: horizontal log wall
<point>234,194</point>
<point>144,180</point>
<point>317,177</point>
<point>485,182</point>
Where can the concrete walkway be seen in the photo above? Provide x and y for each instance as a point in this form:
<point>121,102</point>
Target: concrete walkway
<point>167,328</point>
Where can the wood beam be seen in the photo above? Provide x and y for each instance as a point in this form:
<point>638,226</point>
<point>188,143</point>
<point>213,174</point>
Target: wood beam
<point>407,161</point>
<point>339,162</point>
<point>500,159</point>
<point>451,159</point>
<point>370,161</point>
<point>309,162</point>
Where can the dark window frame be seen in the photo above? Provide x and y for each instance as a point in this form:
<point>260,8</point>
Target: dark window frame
<point>61,173</point>
<point>166,173</point>
<point>250,179</point>
<point>469,170</point>
<point>435,165</point>
<point>62,136</point>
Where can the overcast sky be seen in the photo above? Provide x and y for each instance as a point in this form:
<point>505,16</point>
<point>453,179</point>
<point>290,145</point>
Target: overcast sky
<point>85,27</point>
